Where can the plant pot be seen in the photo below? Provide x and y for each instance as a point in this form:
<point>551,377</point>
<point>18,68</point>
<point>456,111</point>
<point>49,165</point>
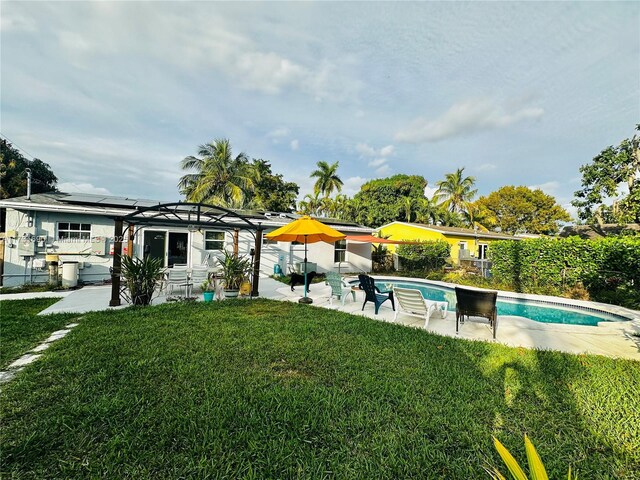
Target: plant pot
<point>231,293</point>
<point>208,296</point>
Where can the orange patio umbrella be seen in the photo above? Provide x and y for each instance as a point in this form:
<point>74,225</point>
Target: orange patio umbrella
<point>308,230</point>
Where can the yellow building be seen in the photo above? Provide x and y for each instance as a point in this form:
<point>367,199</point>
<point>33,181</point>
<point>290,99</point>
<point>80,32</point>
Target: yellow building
<point>466,243</point>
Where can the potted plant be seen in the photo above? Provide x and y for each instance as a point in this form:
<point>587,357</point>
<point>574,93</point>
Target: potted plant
<point>235,270</point>
<point>208,290</point>
<point>141,276</point>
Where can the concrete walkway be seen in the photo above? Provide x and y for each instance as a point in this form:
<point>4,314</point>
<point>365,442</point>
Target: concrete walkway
<point>613,339</point>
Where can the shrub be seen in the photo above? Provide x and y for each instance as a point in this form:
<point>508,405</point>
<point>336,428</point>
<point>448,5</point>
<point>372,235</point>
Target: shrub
<point>141,277</point>
<point>429,255</point>
<point>607,268</point>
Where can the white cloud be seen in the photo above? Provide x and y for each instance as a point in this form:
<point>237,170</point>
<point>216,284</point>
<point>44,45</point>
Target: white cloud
<point>295,144</point>
<point>368,151</point>
<point>377,162</point>
<point>352,185</point>
<point>386,151</point>
<point>279,132</point>
<point>550,188</point>
<point>73,187</point>
<point>383,170</point>
<point>429,192</point>
<point>465,118</point>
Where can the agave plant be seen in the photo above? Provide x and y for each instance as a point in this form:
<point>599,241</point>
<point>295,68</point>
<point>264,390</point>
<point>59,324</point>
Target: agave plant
<point>141,277</point>
<point>536,467</point>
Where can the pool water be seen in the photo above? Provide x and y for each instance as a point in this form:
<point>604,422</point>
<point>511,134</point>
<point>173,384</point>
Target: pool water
<point>519,308</point>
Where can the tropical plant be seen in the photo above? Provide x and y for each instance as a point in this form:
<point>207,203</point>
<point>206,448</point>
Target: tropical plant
<point>217,177</point>
<point>207,286</point>
<point>235,270</point>
<point>141,276</point>
<point>427,255</point>
<point>536,467</point>
<point>428,211</point>
<point>327,178</point>
<point>13,179</point>
<point>602,179</point>
<point>271,192</point>
<point>456,190</point>
<point>310,205</point>
<point>520,209</point>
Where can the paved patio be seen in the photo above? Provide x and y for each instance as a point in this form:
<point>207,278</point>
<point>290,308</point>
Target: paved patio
<point>613,339</point>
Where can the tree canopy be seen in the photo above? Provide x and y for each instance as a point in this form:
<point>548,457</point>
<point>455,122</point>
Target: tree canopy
<point>217,177</point>
<point>327,179</point>
<point>384,200</point>
<point>456,190</point>
<point>514,210</point>
<point>13,178</point>
<point>610,173</point>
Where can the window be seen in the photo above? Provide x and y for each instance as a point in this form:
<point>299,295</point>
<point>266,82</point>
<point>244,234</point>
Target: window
<point>214,240</point>
<point>482,251</point>
<point>80,231</point>
<point>340,251</point>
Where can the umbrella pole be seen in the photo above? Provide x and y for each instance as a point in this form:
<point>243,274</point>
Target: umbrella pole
<point>305,299</point>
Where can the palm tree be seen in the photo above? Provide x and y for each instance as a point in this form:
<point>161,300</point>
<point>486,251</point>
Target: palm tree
<point>310,205</point>
<point>428,211</point>
<point>217,176</point>
<point>407,205</point>
<point>327,179</point>
<point>456,190</point>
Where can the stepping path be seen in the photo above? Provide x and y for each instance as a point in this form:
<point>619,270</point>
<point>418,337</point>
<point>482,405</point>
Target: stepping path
<point>34,354</point>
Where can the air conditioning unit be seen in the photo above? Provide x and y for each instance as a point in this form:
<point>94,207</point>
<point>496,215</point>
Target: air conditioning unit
<point>267,214</point>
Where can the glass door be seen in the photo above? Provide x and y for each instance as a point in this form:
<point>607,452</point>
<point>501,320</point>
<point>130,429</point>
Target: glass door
<point>154,244</point>
<point>177,248</point>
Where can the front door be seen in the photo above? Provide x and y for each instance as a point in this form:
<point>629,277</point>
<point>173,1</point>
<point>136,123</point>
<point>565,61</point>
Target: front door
<point>154,244</point>
<point>177,248</point>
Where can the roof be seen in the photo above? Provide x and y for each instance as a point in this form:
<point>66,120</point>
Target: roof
<point>597,231</point>
<point>457,231</point>
<point>112,206</point>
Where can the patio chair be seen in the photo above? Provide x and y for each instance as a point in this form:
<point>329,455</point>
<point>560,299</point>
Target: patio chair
<point>339,288</point>
<point>372,293</point>
<point>176,277</point>
<point>411,302</point>
<point>477,303</point>
<point>198,276</point>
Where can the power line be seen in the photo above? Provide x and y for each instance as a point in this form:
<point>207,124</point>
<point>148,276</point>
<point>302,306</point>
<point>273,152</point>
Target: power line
<point>16,146</point>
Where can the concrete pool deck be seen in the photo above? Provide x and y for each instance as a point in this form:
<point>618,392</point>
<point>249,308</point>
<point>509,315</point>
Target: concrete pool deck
<point>612,339</point>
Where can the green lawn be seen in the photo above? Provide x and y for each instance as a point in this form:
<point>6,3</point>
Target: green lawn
<point>262,389</point>
<point>21,328</point>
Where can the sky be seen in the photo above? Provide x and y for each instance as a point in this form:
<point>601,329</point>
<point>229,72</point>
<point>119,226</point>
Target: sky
<point>114,94</point>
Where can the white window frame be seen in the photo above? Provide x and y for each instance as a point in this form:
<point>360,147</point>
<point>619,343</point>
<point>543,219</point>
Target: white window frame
<point>83,233</point>
<point>483,255</point>
<point>223,240</point>
<point>337,251</point>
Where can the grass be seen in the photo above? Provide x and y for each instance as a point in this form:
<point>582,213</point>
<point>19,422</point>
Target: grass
<point>22,329</point>
<point>263,389</point>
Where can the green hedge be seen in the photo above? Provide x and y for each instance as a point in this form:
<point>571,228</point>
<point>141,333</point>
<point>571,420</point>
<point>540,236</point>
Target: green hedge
<point>608,268</point>
<point>428,255</point>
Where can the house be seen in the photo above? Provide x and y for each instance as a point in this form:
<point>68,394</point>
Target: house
<point>466,243</point>
<point>54,228</point>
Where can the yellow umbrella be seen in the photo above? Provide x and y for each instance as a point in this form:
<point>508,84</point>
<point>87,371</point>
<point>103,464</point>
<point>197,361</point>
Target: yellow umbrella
<point>308,230</point>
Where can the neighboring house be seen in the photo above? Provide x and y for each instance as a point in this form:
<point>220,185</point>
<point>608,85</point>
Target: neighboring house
<point>592,232</point>
<point>59,227</point>
<point>466,243</point>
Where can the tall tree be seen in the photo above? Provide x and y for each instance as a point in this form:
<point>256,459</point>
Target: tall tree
<point>514,210</point>
<point>604,178</point>
<point>456,190</point>
<point>383,201</point>
<point>218,177</point>
<point>271,192</point>
<point>13,177</point>
<point>327,179</point>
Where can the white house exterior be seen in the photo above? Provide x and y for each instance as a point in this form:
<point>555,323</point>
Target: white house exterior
<point>60,227</point>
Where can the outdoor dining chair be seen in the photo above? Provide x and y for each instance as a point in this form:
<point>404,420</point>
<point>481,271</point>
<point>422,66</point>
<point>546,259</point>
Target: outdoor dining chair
<point>373,294</point>
<point>477,303</point>
<point>339,288</point>
<point>177,277</point>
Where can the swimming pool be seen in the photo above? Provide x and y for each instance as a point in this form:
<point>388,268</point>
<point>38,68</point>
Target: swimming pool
<point>530,309</point>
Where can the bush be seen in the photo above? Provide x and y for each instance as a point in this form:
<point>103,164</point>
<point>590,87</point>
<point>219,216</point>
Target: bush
<point>429,255</point>
<point>607,268</point>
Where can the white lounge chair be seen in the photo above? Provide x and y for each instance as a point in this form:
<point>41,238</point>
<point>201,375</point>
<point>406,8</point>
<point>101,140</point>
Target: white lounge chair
<point>411,302</point>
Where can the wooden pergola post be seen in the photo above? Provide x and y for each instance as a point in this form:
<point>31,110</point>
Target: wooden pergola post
<point>256,262</point>
<point>117,264</point>
<point>236,241</point>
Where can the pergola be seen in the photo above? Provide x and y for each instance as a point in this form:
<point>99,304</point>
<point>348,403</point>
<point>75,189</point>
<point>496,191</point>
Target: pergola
<point>181,214</point>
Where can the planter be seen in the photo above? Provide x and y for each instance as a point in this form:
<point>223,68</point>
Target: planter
<point>208,296</point>
<point>231,293</point>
